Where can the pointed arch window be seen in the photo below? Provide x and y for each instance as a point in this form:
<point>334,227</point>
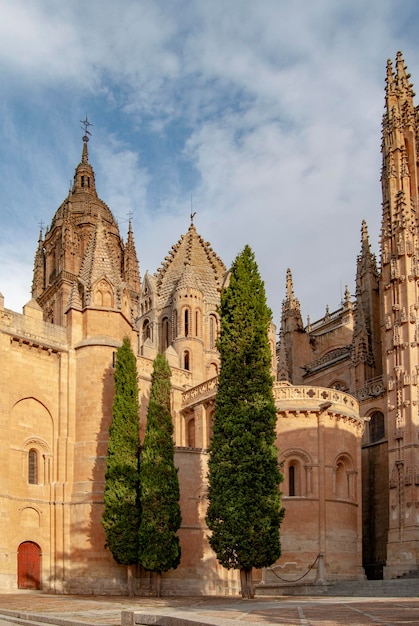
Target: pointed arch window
<point>147,334</point>
<point>376,427</point>
<point>186,360</point>
<point>33,467</point>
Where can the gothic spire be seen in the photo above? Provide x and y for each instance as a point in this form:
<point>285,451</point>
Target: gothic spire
<point>38,281</point>
<point>84,176</point>
<point>366,262</point>
<point>290,302</point>
<point>291,312</point>
<point>390,81</point>
<point>131,271</point>
<point>404,86</point>
<point>400,178</point>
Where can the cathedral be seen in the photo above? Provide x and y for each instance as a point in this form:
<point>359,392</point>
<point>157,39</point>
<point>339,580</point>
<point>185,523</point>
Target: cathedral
<point>345,388</point>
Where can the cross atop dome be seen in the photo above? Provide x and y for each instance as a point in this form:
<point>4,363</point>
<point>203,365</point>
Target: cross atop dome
<point>85,127</point>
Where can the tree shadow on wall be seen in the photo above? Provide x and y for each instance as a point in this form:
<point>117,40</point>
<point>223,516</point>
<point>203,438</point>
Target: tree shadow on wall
<point>90,568</point>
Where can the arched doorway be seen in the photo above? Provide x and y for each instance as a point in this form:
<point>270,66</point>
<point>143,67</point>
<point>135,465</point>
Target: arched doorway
<point>29,566</point>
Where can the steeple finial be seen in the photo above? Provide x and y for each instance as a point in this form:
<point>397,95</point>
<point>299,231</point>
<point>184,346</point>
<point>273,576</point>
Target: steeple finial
<point>85,127</point>
<point>289,286</point>
<point>290,302</point>
<point>390,83</point>
<point>402,77</point>
<point>366,261</point>
<point>347,296</point>
<point>131,271</point>
<point>364,235</point>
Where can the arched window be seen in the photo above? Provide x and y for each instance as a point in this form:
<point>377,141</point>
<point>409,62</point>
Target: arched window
<point>174,324</point>
<point>340,385</point>
<point>213,370</point>
<point>146,330</point>
<point>212,331</point>
<point>186,322</point>
<point>33,467</point>
<point>291,480</point>
<point>298,472</point>
<point>165,333</point>
<point>294,478</point>
<point>376,427</point>
<point>197,323</point>
<point>342,481</point>
<point>186,363</point>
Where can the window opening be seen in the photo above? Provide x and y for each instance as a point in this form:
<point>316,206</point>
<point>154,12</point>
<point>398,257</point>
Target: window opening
<point>291,480</point>
<point>342,481</point>
<point>175,324</point>
<point>146,330</point>
<point>212,331</point>
<point>376,427</point>
<point>165,333</point>
<point>33,467</point>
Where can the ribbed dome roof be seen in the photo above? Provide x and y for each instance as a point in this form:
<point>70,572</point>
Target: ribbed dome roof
<point>191,262</point>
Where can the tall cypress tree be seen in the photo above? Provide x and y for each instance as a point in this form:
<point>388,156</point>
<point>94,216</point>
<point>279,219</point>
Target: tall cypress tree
<point>159,547</point>
<point>244,512</point>
<point>121,515</point>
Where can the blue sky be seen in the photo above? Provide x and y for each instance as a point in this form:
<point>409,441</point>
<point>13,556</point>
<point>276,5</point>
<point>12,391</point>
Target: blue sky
<point>265,117</point>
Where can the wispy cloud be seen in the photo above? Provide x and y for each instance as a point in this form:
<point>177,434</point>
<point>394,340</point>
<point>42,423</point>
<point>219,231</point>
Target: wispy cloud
<point>264,116</point>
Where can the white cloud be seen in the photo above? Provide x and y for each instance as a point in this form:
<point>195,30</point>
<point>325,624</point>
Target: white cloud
<point>267,113</point>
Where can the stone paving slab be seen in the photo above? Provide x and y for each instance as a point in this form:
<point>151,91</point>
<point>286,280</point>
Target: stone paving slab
<point>286,611</point>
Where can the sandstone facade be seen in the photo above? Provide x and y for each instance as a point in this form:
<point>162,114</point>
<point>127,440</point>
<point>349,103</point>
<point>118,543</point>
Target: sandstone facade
<point>56,390</point>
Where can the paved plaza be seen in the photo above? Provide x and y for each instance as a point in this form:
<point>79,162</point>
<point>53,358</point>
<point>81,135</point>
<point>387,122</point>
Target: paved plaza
<point>289,611</point>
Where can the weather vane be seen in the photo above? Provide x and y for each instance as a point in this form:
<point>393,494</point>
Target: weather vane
<point>85,127</point>
<point>192,213</point>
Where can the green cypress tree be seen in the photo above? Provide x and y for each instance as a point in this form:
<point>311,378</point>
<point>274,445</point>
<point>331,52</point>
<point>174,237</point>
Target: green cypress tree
<point>244,512</point>
<point>159,547</point>
<point>121,515</point>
